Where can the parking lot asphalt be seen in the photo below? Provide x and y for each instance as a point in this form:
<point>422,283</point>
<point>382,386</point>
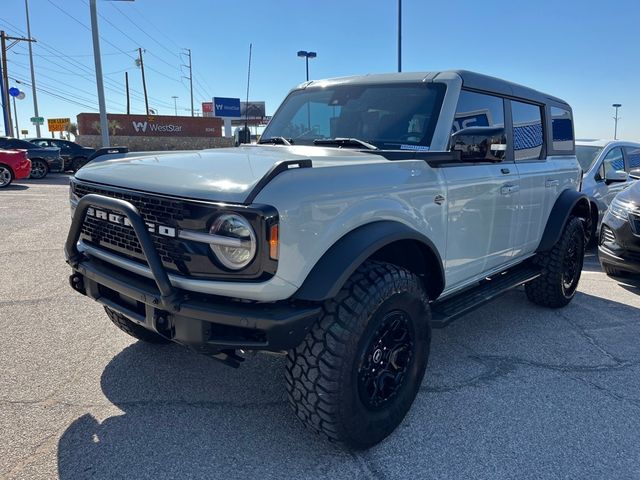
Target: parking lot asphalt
<point>512,390</point>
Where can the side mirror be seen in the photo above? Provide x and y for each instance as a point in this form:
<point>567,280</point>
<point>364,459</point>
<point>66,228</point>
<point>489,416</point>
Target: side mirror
<point>480,144</point>
<point>616,176</point>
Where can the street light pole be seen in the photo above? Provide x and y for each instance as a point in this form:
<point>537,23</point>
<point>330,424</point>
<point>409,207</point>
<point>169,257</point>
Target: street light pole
<point>33,73</point>
<point>104,124</point>
<point>307,56</point>
<point>616,118</point>
<point>399,35</point>
<point>175,104</point>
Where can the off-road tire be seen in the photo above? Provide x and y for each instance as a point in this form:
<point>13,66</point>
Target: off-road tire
<point>133,329</point>
<point>612,271</point>
<point>550,289</point>
<point>324,374</point>
<point>591,228</point>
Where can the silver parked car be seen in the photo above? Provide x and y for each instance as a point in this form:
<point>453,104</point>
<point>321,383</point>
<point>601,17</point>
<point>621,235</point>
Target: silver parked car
<point>609,167</point>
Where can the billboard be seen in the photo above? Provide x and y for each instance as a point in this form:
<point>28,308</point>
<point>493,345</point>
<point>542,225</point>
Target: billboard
<point>58,124</point>
<point>207,109</point>
<point>151,125</point>
<point>255,110</point>
<point>226,107</point>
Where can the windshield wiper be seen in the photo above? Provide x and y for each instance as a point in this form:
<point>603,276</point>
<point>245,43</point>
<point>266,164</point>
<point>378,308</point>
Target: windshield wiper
<point>345,142</point>
<point>275,140</point>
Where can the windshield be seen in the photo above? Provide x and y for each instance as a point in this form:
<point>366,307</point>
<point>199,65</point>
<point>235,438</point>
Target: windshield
<point>586,156</point>
<point>396,116</point>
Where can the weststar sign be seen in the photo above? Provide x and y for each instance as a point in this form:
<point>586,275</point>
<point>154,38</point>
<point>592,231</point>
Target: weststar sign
<point>151,126</point>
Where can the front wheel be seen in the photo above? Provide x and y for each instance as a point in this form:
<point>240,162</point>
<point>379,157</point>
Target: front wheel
<point>39,169</point>
<point>356,374</point>
<point>561,268</point>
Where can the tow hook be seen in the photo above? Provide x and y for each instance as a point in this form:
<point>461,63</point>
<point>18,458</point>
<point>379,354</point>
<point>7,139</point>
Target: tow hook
<point>77,283</point>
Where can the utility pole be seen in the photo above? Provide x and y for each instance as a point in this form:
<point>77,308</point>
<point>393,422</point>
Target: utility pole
<point>104,123</point>
<point>246,105</point>
<point>399,35</point>
<point>616,118</point>
<point>15,112</point>
<point>175,104</point>
<point>190,77</point>
<point>33,73</point>
<point>126,86</point>
<point>6,109</point>
<point>144,82</point>
<point>6,105</point>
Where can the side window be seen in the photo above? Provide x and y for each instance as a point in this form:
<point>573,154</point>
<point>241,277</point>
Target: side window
<point>527,131</point>
<point>633,160</point>
<point>41,143</point>
<point>478,110</point>
<point>612,161</point>
<point>562,127</point>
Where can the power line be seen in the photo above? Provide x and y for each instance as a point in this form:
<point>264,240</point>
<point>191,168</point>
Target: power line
<point>43,90</point>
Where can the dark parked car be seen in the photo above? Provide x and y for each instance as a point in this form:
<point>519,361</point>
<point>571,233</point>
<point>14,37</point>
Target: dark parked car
<point>619,248</point>
<point>43,160</point>
<point>73,154</point>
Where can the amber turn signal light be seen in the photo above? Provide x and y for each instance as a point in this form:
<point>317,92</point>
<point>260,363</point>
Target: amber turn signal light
<point>274,243</point>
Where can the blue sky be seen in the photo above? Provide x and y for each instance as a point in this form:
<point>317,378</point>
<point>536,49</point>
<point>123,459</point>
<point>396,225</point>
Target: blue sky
<point>585,52</point>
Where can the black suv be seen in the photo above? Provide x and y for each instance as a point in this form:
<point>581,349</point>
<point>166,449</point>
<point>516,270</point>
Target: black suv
<point>73,154</point>
<point>619,249</point>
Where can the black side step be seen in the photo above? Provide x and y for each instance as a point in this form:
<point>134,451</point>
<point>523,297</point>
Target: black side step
<point>443,312</point>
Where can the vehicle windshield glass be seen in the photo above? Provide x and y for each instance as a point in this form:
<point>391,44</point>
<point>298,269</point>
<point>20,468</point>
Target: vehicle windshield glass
<point>396,116</point>
<point>586,155</point>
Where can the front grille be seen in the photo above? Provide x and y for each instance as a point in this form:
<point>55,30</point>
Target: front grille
<point>123,240</point>
<point>607,235</point>
<point>634,219</point>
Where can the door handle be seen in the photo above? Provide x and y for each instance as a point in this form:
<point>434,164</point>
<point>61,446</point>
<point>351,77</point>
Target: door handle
<point>551,183</point>
<point>508,189</point>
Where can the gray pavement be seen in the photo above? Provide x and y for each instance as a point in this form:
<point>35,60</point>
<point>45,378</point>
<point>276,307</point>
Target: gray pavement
<point>512,390</point>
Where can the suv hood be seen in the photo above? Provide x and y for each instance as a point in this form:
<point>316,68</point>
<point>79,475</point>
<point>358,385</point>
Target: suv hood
<point>222,174</point>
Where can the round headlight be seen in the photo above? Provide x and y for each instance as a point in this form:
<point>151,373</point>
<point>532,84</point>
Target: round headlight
<point>234,227</point>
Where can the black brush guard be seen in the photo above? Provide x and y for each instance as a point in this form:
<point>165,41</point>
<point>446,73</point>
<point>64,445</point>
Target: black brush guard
<point>215,326</point>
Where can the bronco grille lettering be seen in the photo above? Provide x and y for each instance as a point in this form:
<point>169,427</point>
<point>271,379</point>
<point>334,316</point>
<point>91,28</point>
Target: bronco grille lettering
<point>117,219</point>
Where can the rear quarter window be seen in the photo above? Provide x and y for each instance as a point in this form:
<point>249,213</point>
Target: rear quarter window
<point>562,128</point>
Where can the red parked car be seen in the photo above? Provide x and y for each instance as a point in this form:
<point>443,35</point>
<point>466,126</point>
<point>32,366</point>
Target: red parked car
<point>14,165</point>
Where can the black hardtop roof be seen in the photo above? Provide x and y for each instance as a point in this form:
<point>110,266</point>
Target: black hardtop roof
<point>487,83</point>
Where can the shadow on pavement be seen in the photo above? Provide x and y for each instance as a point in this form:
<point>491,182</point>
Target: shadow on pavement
<point>50,179</point>
<point>15,187</point>
<point>187,416</point>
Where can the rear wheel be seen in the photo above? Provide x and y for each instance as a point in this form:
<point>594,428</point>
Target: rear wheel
<point>357,372</point>
<point>561,268</point>
<point>590,228</point>
<point>6,176</point>
<point>133,329</point>
<point>39,168</point>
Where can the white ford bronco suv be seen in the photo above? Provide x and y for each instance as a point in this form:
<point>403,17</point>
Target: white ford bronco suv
<point>374,209</point>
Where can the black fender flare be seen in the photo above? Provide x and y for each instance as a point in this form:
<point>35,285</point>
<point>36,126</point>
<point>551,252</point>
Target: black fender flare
<point>339,262</point>
<point>570,202</point>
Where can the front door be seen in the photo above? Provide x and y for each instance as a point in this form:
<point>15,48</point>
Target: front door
<point>482,200</point>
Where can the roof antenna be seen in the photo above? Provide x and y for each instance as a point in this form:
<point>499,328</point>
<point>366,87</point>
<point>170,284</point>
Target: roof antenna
<point>246,105</point>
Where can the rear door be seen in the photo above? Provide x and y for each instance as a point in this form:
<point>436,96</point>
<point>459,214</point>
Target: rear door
<point>538,185</point>
<point>482,199</point>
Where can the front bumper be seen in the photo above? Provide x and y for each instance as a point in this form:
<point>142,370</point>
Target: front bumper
<point>623,250</point>
<point>209,324</point>
<point>55,164</point>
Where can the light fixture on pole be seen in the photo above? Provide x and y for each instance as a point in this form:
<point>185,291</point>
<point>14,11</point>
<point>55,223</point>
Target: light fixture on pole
<point>616,118</point>
<point>307,56</point>
<point>175,104</point>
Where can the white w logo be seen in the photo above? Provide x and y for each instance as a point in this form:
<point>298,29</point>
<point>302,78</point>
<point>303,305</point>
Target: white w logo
<point>140,126</point>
